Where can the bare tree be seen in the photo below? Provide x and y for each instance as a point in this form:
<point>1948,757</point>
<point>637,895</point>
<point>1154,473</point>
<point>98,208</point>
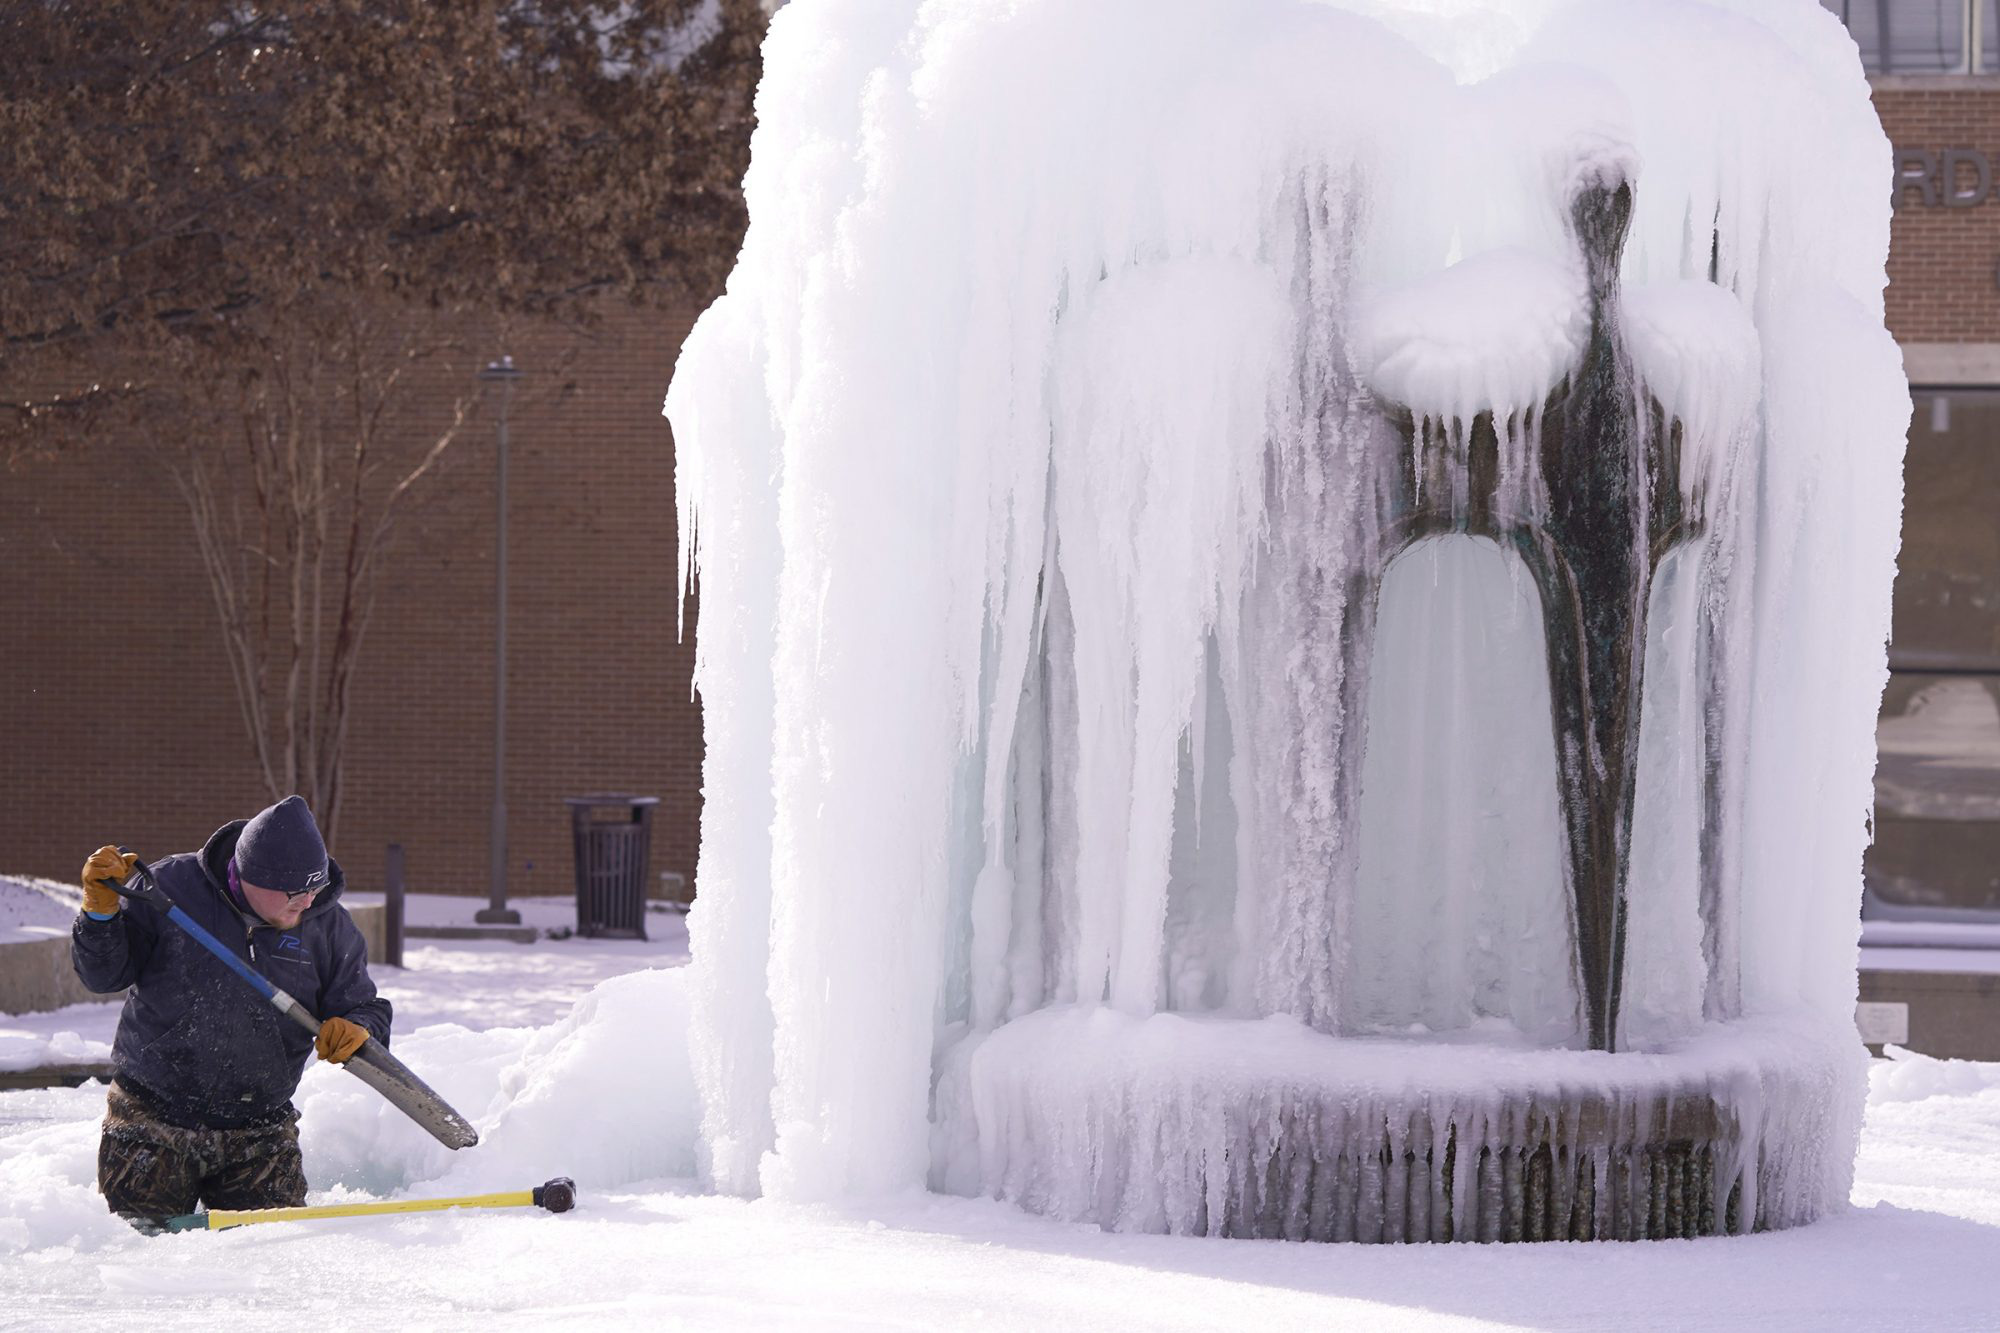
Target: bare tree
<point>293,534</point>
<point>234,231</point>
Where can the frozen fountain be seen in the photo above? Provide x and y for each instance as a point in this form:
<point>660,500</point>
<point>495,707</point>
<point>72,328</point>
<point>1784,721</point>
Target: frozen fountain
<point>1292,610</point>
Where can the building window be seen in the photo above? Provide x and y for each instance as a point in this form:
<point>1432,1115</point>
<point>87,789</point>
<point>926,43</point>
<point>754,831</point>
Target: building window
<point>1923,36</point>
<point>1937,780</point>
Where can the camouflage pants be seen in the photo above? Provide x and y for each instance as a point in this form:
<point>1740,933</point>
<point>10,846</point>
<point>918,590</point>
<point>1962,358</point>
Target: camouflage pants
<point>149,1170</point>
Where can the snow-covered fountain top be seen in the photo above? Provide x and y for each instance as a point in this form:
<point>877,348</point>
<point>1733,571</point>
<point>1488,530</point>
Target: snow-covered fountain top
<point>1275,574</point>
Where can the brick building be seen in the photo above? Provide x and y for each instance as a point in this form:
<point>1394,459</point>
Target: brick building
<point>1936,82</point>
<point>120,723</point>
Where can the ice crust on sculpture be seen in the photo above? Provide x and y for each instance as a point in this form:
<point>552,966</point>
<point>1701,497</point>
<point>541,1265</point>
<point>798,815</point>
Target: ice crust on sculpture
<point>1067,390</point>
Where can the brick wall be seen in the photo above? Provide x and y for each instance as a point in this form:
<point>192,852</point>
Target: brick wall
<point>1944,262</point>
<point>118,722</point>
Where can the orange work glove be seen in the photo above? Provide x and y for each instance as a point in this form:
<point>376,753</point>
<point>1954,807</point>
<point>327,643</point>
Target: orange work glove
<point>338,1039</point>
<point>104,863</point>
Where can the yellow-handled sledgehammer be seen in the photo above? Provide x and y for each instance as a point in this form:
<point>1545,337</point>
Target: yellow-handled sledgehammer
<point>558,1196</point>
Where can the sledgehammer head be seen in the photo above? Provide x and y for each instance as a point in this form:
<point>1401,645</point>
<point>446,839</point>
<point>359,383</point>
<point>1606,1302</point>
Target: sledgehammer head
<point>558,1196</point>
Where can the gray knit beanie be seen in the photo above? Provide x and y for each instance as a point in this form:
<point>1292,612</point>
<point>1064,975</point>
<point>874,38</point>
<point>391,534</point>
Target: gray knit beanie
<point>280,848</point>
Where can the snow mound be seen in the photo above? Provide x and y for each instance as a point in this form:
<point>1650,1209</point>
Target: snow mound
<point>605,1097</point>
<point>35,909</point>
<point>617,1065</point>
<point>28,1045</point>
<point>1909,1076</point>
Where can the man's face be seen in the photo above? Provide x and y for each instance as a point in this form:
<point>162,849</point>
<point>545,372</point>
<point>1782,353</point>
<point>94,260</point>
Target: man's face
<point>274,906</point>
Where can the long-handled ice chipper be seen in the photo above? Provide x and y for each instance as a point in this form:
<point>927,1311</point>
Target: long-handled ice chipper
<point>557,1196</point>
<point>372,1064</point>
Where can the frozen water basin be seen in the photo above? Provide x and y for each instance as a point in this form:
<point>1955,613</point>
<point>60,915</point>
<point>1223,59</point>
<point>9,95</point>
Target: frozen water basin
<point>1263,1127</point>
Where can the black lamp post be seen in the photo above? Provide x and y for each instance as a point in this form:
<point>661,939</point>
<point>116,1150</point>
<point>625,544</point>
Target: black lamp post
<point>503,375</point>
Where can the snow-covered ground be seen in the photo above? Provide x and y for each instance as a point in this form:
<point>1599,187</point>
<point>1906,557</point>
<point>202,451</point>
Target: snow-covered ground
<point>603,1094</point>
<point>1917,1252</point>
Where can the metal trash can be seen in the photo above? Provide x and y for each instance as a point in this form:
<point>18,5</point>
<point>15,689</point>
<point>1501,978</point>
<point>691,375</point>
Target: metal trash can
<point>614,846</point>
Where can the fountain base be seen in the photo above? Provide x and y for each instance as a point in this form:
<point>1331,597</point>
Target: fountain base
<point>1196,1125</point>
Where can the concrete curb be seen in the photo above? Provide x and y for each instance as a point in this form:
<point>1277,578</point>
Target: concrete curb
<point>36,976</point>
<point>55,1076</point>
<point>515,934</point>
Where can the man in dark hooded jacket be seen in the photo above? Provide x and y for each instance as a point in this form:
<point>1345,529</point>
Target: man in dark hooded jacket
<point>200,1108</point>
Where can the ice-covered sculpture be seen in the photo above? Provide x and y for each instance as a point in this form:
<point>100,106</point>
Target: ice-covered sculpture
<point>1292,607</point>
